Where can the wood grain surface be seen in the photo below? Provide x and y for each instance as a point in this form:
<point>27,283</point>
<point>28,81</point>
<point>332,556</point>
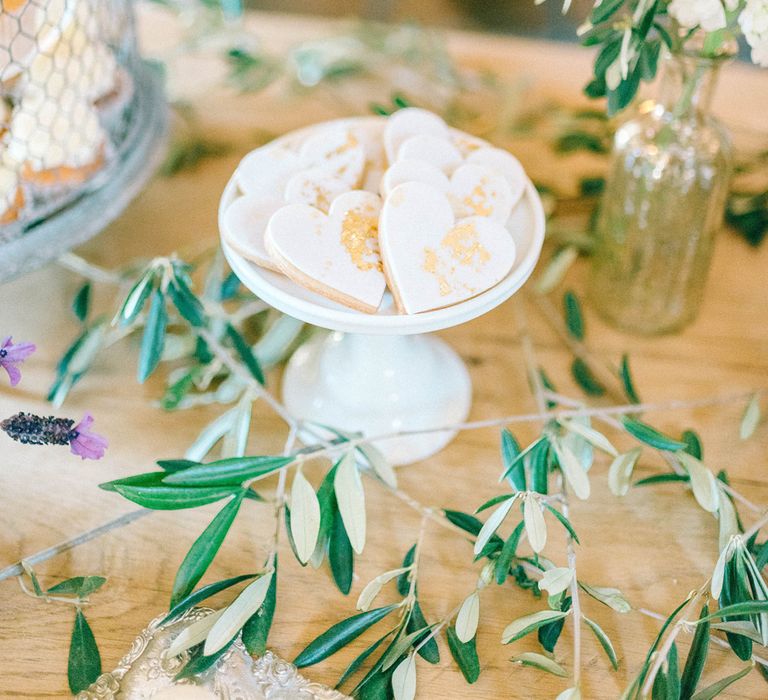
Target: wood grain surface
<point>655,543</point>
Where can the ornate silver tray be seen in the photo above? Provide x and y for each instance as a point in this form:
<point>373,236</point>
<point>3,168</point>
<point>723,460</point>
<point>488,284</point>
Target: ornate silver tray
<point>145,671</point>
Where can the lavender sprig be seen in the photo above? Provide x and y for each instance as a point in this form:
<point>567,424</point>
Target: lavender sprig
<point>30,429</point>
<point>13,354</point>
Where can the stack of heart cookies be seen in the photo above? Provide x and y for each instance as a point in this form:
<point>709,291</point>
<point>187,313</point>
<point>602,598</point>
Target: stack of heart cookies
<point>354,208</point>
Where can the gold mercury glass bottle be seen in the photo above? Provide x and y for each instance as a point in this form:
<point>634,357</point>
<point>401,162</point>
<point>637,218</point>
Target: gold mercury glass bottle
<point>664,200</point>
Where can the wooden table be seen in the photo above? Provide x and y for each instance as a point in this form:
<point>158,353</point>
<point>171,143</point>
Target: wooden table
<point>654,544</point>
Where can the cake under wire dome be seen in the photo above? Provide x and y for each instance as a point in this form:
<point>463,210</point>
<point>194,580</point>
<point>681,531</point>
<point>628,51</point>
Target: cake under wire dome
<point>66,102</point>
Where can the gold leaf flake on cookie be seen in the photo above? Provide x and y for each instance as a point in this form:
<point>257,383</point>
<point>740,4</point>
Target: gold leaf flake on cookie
<point>315,187</point>
<point>431,260</point>
<point>338,151</point>
<point>360,236</point>
<point>505,164</point>
<point>477,190</point>
<point>335,255</point>
<point>473,189</point>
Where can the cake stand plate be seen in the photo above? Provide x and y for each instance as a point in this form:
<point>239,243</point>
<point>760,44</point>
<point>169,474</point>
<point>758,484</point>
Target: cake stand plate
<point>105,195</point>
<point>379,373</point>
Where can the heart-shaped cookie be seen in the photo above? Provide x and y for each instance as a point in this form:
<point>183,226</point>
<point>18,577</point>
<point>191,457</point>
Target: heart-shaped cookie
<point>505,164</point>
<point>336,255</point>
<point>338,151</point>
<point>477,190</point>
<point>408,122</point>
<point>432,260</point>
<point>473,190</point>
<point>266,171</point>
<point>438,151</point>
<point>244,224</point>
<point>315,187</point>
<point>413,171</point>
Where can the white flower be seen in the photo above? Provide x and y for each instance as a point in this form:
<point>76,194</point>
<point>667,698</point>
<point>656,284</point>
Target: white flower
<point>707,14</point>
<point>754,23</point>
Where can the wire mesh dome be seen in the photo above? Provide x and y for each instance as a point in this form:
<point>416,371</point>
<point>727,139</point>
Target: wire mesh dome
<point>71,87</point>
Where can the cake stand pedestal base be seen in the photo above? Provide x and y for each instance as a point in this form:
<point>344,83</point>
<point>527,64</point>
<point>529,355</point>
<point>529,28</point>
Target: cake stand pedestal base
<point>376,384</point>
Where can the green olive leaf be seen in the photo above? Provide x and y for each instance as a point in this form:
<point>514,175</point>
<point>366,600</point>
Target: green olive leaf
<point>153,340</point>
<point>465,655</point>
<point>585,378</point>
<point>626,380</point>
<point>529,623</point>
<point>750,419</point>
<point>237,614</point>
<point>604,640</point>
<point>339,635</point>
<point>84,665</point>
<point>697,657</point>
<point>574,319</point>
<point>245,353</point>
<point>350,498</point>
<point>544,663</point>
<point>650,436</point>
<point>227,472</point>
<point>81,304</point>
<point>712,691</point>
<point>81,586</point>
<point>340,554</point>
<point>202,594</point>
<point>162,497</point>
<point>256,629</point>
<point>514,468</point>
<point>203,550</point>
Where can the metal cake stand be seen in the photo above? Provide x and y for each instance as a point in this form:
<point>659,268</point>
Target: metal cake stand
<point>33,244</point>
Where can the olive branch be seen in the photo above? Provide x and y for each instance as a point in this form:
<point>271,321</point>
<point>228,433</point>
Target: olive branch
<point>221,340</point>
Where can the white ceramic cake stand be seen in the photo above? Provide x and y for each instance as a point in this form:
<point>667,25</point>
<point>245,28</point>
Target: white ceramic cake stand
<point>378,373</point>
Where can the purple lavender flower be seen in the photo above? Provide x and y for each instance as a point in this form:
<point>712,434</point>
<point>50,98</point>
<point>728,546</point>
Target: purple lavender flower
<point>30,429</point>
<point>84,443</point>
<point>12,355</point>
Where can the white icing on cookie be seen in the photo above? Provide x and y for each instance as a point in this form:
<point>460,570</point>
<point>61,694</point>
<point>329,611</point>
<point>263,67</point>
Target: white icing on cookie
<point>408,122</point>
<point>437,151</point>
<point>335,255</point>
<point>474,190</point>
<point>431,260</point>
<point>315,187</point>
<point>338,151</point>
<point>413,171</point>
<point>466,143</point>
<point>266,171</point>
<point>505,164</point>
<point>373,147</point>
<point>244,224</point>
<point>477,190</point>
<point>372,179</point>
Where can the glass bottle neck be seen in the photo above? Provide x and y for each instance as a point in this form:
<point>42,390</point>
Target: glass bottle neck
<point>688,85</point>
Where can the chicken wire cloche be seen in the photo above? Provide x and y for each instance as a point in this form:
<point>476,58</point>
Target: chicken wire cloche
<point>81,121</point>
